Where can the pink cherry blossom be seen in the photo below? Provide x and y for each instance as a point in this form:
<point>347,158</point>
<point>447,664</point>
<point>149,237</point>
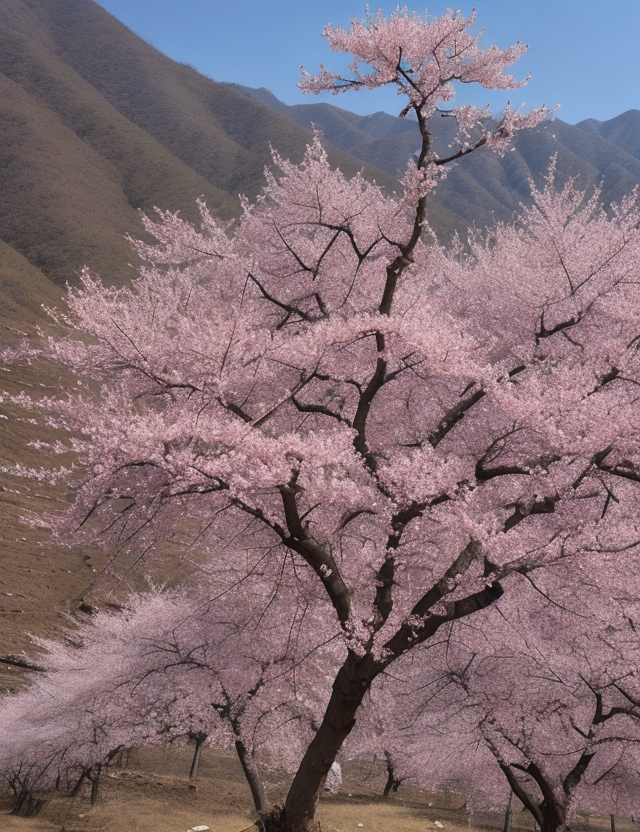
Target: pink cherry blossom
<point>316,398</point>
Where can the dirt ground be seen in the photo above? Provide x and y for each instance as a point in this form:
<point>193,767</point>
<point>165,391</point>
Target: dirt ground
<point>153,794</point>
<point>41,583</point>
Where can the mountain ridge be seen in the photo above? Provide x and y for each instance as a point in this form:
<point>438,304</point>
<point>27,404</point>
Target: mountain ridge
<point>96,125</point>
<point>483,187</point>
<point>80,154</point>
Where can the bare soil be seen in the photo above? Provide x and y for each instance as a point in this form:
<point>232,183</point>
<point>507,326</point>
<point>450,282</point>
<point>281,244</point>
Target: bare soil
<point>43,584</point>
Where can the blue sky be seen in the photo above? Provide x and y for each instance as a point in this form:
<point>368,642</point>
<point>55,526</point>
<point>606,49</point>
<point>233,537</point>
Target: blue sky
<point>583,55</point>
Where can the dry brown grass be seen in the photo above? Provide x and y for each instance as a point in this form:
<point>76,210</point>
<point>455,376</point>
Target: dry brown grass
<point>154,794</point>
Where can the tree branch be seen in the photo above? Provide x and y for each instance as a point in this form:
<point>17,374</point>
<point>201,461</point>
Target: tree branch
<point>317,555</point>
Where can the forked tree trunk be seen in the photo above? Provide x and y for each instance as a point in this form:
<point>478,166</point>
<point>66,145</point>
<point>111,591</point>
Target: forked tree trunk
<point>253,778</point>
<point>352,682</point>
<point>195,763</point>
<point>549,813</point>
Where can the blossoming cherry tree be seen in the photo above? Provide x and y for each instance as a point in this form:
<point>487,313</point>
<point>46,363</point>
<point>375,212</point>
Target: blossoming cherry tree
<point>303,393</point>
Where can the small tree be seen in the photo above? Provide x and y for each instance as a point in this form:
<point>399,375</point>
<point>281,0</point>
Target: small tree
<point>299,390</point>
<point>215,672</point>
<point>182,666</point>
<point>59,734</point>
<point>540,701</point>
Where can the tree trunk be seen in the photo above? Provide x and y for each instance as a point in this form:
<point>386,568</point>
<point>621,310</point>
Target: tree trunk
<point>94,777</point>
<point>75,791</point>
<point>122,758</point>
<point>393,782</point>
<point>95,790</point>
<point>195,763</point>
<point>352,682</point>
<point>28,806</point>
<point>388,785</point>
<point>554,818</point>
<point>507,815</point>
<point>253,778</point>
<point>613,823</point>
<point>549,814</point>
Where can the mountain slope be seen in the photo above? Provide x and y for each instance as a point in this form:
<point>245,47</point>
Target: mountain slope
<point>96,124</point>
<point>207,125</point>
<point>73,171</point>
<point>482,187</point>
<point>623,130</point>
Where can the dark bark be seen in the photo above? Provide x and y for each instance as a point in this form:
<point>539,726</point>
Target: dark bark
<point>93,776</point>
<point>318,557</point>
<point>529,802</point>
<point>253,778</point>
<point>95,790</point>
<point>548,811</point>
<point>349,688</point>
<point>195,763</point>
<point>352,682</point>
<point>393,781</point>
<point>75,791</point>
<point>508,814</point>
<point>554,817</point>
<point>27,805</point>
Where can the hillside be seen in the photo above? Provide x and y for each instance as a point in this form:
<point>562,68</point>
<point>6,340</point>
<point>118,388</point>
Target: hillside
<point>96,124</point>
<point>482,187</point>
<point>623,131</point>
